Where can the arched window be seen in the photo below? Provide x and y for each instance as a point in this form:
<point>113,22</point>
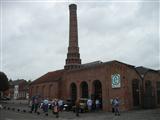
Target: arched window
<point>31,92</point>
<point>97,92</point>
<point>135,92</point>
<point>97,89</point>
<point>84,90</point>
<point>37,90</point>
<point>73,91</point>
<point>148,84</point>
<point>148,87</point>
<point>158,92</point>
<point>50,91</point>
<point>43,91</point>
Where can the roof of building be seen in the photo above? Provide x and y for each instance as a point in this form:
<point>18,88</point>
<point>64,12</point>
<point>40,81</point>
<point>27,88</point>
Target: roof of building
<point>16,82</point>
<point>98,63</point>
<point>143,70</point>
<point>91,64</point>
<point>128,65</point>
<point>58,75</point>
<point>49,77</point>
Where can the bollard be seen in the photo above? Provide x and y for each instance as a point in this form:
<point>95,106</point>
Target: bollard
<point>8,108</point>
<point>1,107</point>
<point>24,111</point>
<point>46,114</point>
<point>18,110</point>
<point>38,113</point>
<point>4,107</point>
<point>13,109</point>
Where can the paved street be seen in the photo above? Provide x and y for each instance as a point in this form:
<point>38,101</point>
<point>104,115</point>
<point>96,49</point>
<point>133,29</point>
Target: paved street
<point>6,114</point>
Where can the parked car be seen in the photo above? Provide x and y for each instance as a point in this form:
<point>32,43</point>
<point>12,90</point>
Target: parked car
<point>83,105</point>
<point>68,104</point>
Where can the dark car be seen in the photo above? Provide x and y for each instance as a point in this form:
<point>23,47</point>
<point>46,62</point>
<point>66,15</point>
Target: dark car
<point>68,104</point>
<point>83,105</point>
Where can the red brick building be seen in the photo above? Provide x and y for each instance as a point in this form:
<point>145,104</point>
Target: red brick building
<point>135,86</point>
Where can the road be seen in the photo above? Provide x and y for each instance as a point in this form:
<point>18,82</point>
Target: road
<point>5,114</point>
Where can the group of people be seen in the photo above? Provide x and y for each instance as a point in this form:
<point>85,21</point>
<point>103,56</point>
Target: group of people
<point>55,105</point>
<point>115,106</point>
<point>93,104</point>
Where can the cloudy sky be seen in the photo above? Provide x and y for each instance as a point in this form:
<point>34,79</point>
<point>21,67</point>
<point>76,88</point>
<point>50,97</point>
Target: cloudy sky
<point>34,34</point>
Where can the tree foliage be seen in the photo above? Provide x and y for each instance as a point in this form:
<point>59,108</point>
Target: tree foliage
<point>4,84</point>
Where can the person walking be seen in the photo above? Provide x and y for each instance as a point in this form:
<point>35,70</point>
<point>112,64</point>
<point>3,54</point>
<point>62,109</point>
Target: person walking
<point>77,108</point>
<point>45,106</point>
<point>32,104</point>
<point>116,106</point>
<point>89,104</point>
<point>60,103</point>
<point>36,104</point>
<point>56,108</point>
<point>97,104</point>
<point>112,103</point>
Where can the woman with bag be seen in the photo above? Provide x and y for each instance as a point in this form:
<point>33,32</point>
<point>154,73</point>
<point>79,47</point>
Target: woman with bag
<point>56,108</point>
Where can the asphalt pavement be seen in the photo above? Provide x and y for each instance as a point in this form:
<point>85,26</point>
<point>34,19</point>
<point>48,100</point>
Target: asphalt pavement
<point>13,114</point>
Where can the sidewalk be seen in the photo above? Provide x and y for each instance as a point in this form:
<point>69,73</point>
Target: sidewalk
<point>18,101</point>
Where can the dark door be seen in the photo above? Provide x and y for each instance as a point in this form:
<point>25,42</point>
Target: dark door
<point>135,90</point>
<point>98,91</point>
<point>73,89</point>
<point>158,92</point>
<point>84,90</point>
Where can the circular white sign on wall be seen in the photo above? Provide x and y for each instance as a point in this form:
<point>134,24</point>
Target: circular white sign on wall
<point>116,80</point>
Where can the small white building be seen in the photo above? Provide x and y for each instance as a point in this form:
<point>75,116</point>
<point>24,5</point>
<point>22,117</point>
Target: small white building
<point>20,90</point>
<point>16,91</point>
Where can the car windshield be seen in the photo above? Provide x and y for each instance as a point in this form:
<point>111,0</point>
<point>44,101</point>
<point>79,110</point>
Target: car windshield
<point>83,100</point>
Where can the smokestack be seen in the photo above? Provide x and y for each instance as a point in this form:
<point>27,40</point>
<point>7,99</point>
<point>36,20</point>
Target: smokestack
<point>73,60</point>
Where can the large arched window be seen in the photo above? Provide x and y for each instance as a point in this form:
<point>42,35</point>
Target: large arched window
<point>37,90</point>
<point>148,84</point>
<point>31,92</point>
<point>158,92</point>
<point>97,89</point>
<point>73,91</point>
<point>135,92</point>
<point>43,91</point>
<point>84,90</point>
<point>148,88</point>
<point>50,91</point>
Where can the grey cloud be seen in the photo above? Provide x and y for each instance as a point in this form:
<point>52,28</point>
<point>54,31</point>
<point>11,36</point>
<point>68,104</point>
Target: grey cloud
<point>35,36</point>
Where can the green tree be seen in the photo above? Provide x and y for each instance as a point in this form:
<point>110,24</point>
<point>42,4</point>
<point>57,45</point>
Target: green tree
<point>4,84</point>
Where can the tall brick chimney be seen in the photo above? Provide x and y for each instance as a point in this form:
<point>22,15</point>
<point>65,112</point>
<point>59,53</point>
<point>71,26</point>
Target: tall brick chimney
<point>73,60</point>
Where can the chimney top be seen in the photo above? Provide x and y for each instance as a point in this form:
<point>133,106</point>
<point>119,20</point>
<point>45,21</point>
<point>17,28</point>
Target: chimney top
<point>73,6</point>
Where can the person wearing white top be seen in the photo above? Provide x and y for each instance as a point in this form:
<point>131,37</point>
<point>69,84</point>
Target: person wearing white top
<point>60,103</point>
<point>89,104</point>
<point>97,104</point>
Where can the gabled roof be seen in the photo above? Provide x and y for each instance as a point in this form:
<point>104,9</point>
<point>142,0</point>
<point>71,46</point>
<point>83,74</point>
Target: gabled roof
<point>143,70</point>
<point>91,64</point>
<point>128,65</point>
<point>49,77</point>
<point>95,64</point>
